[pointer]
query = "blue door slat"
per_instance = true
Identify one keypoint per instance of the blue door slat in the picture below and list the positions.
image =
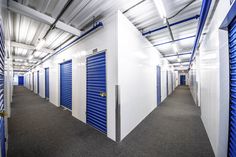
(232, 105)
(20, 80)
(158, 85)
(66, 84)
(96, 114)
(182, 80)
(47, 82)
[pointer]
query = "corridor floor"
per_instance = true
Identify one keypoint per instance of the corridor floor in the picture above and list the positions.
(40, 129)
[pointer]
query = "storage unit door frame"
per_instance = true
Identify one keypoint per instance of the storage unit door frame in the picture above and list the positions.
(38, 82)
(46, 82)
(2, 109)
(158, 85)
(167, 80)
(66, 84)
(33, 81)
(96, 108)
(232, 80)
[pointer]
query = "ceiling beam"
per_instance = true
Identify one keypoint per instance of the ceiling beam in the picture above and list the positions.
(25, 58)
(184, 61)
(175, 55)
(30, 47)
(34, 14)
(26, 64)
(20, 70)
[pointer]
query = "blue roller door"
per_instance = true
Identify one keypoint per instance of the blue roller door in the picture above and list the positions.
(47, 82)
(182, 79)
(158, 85)
(96, 92)
(20, 80)
(232, 105)
(66, 84)
(2, 126)
(38, 82)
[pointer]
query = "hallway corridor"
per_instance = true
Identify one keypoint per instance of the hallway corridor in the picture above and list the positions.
(39, 129)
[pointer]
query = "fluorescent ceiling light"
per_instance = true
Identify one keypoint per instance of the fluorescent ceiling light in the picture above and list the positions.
(160, 7)
(178, 59)
(40, 44)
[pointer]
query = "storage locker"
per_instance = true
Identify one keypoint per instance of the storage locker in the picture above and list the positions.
(46, 82)
(96, 92)
(66, 84)
(232, 105)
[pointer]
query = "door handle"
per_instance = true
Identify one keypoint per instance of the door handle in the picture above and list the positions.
(3, 114)
(103, 94)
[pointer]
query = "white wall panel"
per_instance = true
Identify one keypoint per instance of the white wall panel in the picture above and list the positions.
(103, 39)
(213, 81)
(137, 61)
(42, 82)
(169, 82)
(163, 84)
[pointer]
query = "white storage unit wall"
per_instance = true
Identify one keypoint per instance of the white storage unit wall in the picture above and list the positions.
(128, 65)
(212, 77)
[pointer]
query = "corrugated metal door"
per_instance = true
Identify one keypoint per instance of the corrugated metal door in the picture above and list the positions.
(158, 85)
(232, 105)
(2, 126)
(66, 84)
(96, 92)
(182, 79)
(20, 80)
(38, 82)
(47, 82)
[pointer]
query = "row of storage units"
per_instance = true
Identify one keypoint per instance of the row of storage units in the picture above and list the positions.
(95, 87)
(112, 89)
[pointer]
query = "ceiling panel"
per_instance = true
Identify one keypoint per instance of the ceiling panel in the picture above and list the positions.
(144, 16)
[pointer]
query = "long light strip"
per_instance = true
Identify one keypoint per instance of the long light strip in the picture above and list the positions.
(160, 7)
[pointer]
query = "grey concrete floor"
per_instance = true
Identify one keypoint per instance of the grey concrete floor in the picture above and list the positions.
(39, 129)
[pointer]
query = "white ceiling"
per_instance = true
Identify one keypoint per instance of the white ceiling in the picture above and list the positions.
(145, 16)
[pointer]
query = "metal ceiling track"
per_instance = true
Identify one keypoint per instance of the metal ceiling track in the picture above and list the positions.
(176, 40)
(206, 4)
(172, 24)
(168, 42)
(53, 25)
(179, 54)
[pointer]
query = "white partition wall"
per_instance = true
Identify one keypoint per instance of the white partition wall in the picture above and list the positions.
(131, 63)
(212, 78)
(137, 61)
(103, 39)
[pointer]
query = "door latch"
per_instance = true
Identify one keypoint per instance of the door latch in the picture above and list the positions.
(103, 94)
(3, 114)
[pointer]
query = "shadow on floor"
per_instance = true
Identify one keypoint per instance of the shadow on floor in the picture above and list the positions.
(39, 129)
